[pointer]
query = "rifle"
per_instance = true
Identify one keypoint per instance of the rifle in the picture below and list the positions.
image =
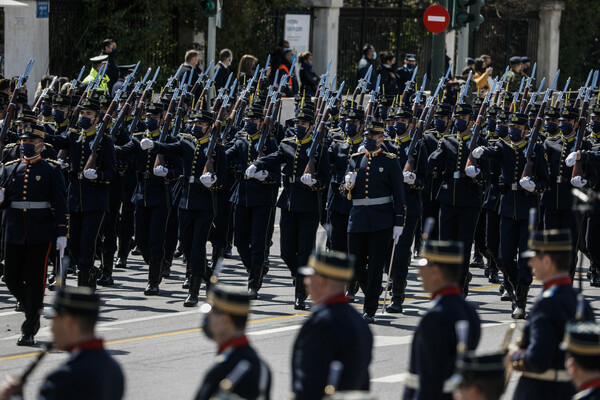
(200, 78)
(408, 87)
(319, 133)
(36, 107)
(516, 96)
(577, 168)
(364, 88)
(528, 169)
(534, 97)
(91, 86)
(322, 84)
(209, 165)
(164, 129)
(10, 111)
(239, 105)
(587, 82)
(140, 105)
(418, 100)
(267, 125)
(372, 104)
(477, 128)
(561, 94)
(222, 92)
(465, 89)
(527, 87)
(180, 107)
(500, 86)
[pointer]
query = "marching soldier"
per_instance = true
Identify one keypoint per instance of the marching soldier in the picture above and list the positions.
(378, 213)
(481, 377)
(520, 195)
(551, 121)
(34, 197)
(434, 345)
(90, 372)
(88, 188)
(254, 198)
(300, 200)
(538, 356)
(582, 358)
(334, 331)
(61, 104)
(238, 369)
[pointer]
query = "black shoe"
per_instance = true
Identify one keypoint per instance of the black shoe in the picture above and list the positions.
(253, 294)
(19, 307)
(178, 253)
(105, 280)
(595, 279)
(25, 340)
(486, 271)
(394, 308)
(166, 273)
(186, 284)
(121, 262)
(368, 318)
(152, 289)
(191, 300)
(494, 278)
(228, 252)
(51, 279)
(299, 304)
(136, 252)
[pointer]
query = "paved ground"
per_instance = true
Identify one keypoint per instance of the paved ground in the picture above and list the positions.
(165, 355)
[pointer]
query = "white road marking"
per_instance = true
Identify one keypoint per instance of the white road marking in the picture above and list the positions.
(390, 378)
(274, 330)
(383, 341)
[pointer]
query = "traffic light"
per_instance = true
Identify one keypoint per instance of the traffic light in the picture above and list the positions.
(475, 10)
(460, 15)
(209, 7)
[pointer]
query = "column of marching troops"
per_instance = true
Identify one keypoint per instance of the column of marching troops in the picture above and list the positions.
(84, 173)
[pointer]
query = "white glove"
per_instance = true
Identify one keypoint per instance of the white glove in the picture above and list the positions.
(146, 144)
(161, 171)
(361, 149)
(90, 174)
(472, 171)
(477, 152)
(250, 171)
(61, 243)
(308, 180)
(63, 163)
(571, 159)
(2, 195)
(578, 182)
(396, 233)
(409, 177)
(261, 175)
(208, 179)
(350, 180)
(527, 184)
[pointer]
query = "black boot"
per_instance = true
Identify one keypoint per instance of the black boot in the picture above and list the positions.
(493, 277)
(208, 277)
(153, 278)
(107, 269)
(166, 269)
(123, 252)
(300, 293)
(192, 298)
(87, 278)
(398, 290)
(595, 278)
(352, 290)
(477, 261)
(520, 302)
(464, 283)
(508, 293)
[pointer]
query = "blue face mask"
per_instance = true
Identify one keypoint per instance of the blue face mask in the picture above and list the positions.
(151, 124)
(400, 128)
(502, 130)
(374, 55)
(197, 131)
(84, 123)
(370, 144)
(515, 134)
(342, 125)
(440, 125)
(460, 125)
(551, 128)
(250, 127)
(299, 131)
(59, 116)
(595, 126)
(390, 131)
(351, 130)
(27, 149)
(383, 113)
(491, 125)
(46, 110)
(565, 128)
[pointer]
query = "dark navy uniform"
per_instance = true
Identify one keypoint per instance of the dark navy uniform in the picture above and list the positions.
(583, 352)
(35, 215)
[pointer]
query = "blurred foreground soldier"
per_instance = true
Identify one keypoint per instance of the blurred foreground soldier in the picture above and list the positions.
(538, 356)
(481, 377)
(582, 358)
(34, 196)
(238, 370)
(334, 332)
(433, 350)
(90, 372)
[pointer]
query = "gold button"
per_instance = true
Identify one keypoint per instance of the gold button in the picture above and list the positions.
(24, 186)
(24, 198)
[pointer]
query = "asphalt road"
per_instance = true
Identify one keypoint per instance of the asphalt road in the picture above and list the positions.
(164, 354)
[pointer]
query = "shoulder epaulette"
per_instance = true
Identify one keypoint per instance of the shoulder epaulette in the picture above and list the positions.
(10, 145)
(48, 145)
(187, 136)
(138, 133)
(336, 140)
(356, 154)
(53, 161)
(288, 139)
(13, 161)
(73, 130)
(390, 155)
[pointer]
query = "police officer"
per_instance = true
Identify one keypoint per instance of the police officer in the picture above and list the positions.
(88, 188)
(434, 345)
(90, 372)
(582, 358)
(460, 193)
(538, 356)
(34, 196)
(333, 332)
(480, 377)
(254, 198)
(300, 200)
(226, 313)
(414, 182)
(520, 195)
(405, 73)
(378, 212)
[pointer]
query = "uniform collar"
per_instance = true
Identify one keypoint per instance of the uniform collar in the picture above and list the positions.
(374, 153)
(441, 135)
(569, 139)
(595, 136)
(153, 135)
(88, 133)
(238, 341)
(89, 344)
(520, 145)
(254, 137)
(560, 280)
(591, 384)
(62, 124)
(402, 139)
(203, 140)
(304, 141)
(463, 138)
(355, 141)
(32, 160)
(446, 291)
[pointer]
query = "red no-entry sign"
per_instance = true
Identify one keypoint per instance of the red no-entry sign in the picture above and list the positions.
(436, 18)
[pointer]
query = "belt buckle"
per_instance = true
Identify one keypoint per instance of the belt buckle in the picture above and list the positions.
(26, 205)
(293, 179)
(456, 175)
(191, 179)
(559, 179)
(80, 175)
(514, 186)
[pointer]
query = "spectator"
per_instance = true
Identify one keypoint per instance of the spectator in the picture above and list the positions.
(225, 60)
(291, 88)
(482, 77)
(190, 65)
(308, 79)
(526, 61)
(406, 72)
(389, 83)
(464, 74)
(277, 55)
(487, 60)
(368, 59)
(109, 48)
(246, 69)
